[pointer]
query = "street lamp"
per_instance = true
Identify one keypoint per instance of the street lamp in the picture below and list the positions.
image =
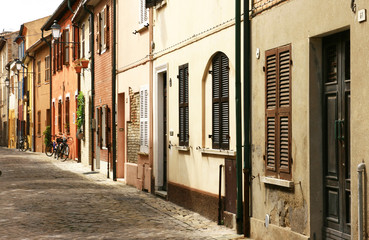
(18, 64)
(55, 29)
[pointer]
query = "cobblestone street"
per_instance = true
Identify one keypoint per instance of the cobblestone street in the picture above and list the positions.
(43, 198)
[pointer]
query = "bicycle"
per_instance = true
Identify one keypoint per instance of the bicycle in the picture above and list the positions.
(52, 147)
(63, 149)
(23, 144)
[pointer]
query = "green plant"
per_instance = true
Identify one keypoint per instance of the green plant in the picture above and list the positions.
(80, 110)
(47, 135)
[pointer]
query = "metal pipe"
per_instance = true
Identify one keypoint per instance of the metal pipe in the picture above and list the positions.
(247, 116)
(220, 212)
(114, 77)
(70, 6)
(239, 215)
(360, 170)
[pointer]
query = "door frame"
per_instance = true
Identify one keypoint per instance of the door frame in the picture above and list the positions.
(158, 115)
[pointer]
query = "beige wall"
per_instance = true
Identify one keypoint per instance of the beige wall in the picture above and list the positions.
(179, 41)
(303, 24)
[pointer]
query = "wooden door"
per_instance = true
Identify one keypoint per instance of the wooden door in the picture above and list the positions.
(337, 194)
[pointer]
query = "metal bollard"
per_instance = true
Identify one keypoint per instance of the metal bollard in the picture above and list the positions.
(360, 170)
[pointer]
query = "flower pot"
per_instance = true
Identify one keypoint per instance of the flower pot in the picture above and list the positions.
(78, 69)
(84, 63)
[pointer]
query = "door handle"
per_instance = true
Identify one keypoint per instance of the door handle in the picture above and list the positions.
(342, 126)
(337, 129)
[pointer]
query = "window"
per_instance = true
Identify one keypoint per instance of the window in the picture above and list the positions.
(65, 46)
(144, 12)
(39, 72)
(220, 95)
(183, 106)
(47, 68)
(278, 112)
(144, 119)
(103, 29)
(67, 126)
(39, 122)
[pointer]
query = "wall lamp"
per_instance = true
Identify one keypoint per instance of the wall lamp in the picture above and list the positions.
(56, 32)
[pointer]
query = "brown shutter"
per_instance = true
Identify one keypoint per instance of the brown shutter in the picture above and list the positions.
(98, 35)
(278, 112)
(106, 26)
(271, 108)
(284, 108)
(220, 80)
(183, 106)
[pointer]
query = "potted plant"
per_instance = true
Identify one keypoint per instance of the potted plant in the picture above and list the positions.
(77, 66)
(84, 62)
(80, 115)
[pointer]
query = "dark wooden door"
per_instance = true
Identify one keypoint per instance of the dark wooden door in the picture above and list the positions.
(165, 147)
(337, 194)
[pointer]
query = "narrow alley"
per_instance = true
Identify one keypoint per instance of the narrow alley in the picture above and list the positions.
(43, 198)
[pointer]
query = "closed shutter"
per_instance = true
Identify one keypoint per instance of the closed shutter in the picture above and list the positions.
(278, 112)
(220, 81)
(106, 27)
(98, 35)
(183, 106)
(144, 119)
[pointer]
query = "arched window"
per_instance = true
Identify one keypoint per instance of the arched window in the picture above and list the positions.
(220, 82)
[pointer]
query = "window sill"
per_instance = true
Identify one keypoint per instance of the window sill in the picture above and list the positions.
(142, 28)
(183, 148)
(219, 152)
(277, 182)
(143, 153)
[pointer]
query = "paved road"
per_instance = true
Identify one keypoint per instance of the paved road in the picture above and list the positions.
(42, 198)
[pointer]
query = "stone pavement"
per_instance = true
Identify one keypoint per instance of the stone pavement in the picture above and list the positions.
(43, 198)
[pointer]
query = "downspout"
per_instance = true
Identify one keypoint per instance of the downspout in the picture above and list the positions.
(34, 103)
(70, 6)
(247, 115)
(360, 170)
(114, 76)
(239, 214)
(51, 82)
(92, 25)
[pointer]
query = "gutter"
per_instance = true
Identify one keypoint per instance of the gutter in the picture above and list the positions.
(247, 116)
(114, 77)
(239, 214)
(92, 82)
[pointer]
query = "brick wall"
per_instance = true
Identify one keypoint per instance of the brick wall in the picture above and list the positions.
(103, 75)
(133, 127)
(261, 5)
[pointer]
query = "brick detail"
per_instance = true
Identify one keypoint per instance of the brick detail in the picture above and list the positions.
(133, 127)
(261, 5)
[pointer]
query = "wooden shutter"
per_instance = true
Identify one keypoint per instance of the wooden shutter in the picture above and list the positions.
(144, 119)
(183, 106)
(220, 80)
(98, 35)
(67, 125)
(106, 27)
(278, 112)
(65, 47)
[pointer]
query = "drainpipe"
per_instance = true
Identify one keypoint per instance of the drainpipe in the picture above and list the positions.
(70, 6)
(114, 76)
(92, 80)
(360, 170)
(247, 115)
(51, 82)
(239, 216)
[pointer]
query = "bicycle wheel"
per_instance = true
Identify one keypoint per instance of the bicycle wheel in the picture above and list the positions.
(49, 150)
(65, 152)
(57, 151)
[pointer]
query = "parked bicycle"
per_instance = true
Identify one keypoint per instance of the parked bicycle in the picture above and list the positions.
(59, 148)
(23, 144)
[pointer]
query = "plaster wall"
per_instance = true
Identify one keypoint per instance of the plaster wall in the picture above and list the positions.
(179, 41)
(304, 24)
